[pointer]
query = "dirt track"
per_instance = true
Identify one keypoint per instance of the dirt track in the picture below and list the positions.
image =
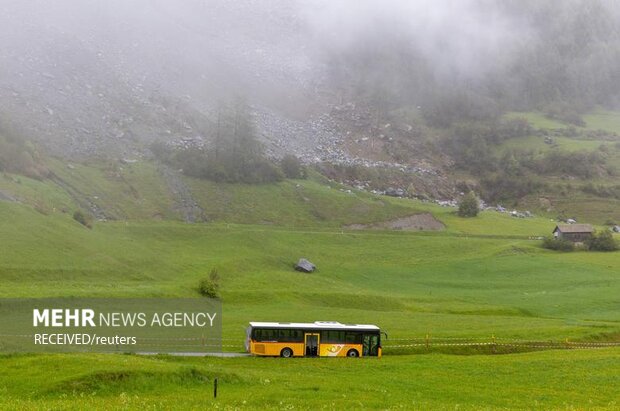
(417, 222)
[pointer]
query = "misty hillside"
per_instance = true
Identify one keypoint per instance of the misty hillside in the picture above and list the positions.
(377, 95)
(94, 77)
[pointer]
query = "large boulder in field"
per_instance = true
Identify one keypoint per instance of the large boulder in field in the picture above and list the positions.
(305, 266)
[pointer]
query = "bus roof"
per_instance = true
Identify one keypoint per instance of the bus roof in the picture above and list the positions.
(317, 325)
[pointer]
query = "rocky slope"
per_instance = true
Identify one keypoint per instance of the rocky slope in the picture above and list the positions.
(86, 81)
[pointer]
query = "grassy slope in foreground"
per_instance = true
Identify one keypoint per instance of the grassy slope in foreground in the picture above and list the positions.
(546, 380)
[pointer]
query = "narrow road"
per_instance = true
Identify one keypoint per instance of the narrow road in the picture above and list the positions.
(200, 354)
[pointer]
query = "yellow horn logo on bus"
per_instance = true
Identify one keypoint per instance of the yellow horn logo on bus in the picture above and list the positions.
(334, 349)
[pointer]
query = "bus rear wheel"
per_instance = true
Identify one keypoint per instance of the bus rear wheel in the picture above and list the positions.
(353, 353)
(286, 353)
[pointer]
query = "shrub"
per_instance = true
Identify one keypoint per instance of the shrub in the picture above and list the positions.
(565, 113)
(558, 244)
(449, 108)
(161, 151)
(83, 218)
(601, 190)
(503, 187)
(20, 157)
(584, 164)
(468, 207)
(261, 171)
(228, 167)
(210, 287)
(603, 241)
(291, 167)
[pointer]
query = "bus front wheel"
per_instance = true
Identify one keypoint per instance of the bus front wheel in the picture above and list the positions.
(286, 353)
(353, 353)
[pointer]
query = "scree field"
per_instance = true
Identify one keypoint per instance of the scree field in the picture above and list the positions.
(484, 279)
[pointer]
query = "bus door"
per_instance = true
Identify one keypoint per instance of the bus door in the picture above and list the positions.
(370, 345)
(312, 344)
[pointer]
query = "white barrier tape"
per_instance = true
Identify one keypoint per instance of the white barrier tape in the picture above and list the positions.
(539, 344)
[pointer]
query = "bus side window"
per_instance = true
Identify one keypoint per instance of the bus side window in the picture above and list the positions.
(334, 337)
(353, 338)
(285, 335)
(265, 335)
(297, 336)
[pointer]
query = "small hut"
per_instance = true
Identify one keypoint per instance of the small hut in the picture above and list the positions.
(577, 233)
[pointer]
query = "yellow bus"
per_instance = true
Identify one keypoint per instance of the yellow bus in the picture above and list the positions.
(317, 339)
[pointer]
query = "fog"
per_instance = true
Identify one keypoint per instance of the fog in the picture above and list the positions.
(222, 46)
(453, 36)
(99, 63)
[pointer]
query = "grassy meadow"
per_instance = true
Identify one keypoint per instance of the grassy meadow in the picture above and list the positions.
(545, 380)
(598, 119)
(478, 278)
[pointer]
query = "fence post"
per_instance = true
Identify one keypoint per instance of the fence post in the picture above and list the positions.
(427, 342)
(493, 343)
(215, 388)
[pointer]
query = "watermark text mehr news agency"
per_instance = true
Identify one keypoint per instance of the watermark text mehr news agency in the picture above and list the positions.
(85, 317)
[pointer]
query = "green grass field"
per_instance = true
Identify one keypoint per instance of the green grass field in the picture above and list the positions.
(598, 119)
(544, 380)
(478, 278)
(603, 120)
(538, 146)
(302, 203)
(537, 119)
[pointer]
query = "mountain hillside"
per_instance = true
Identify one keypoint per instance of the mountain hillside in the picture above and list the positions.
(504, 102)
